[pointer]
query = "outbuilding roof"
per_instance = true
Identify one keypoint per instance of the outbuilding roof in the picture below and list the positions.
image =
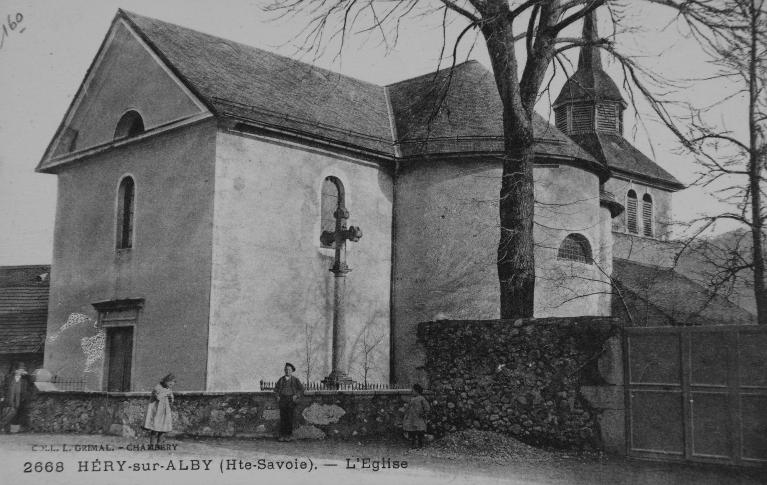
(658, 296)
(23, 308)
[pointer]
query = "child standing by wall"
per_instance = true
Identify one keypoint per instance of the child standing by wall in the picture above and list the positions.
(416, 414)
(158, 414)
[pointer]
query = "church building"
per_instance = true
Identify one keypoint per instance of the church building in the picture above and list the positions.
(204, 191)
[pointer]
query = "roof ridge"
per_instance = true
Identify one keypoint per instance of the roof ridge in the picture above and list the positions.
(19, 266)
(130, 14)
(437, 72)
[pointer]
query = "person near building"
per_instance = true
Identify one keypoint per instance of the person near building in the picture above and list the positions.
(15, 398)
(416, 415)
(288, 390)
(159, 419)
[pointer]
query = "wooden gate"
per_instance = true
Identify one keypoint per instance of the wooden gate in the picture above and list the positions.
(697, 393)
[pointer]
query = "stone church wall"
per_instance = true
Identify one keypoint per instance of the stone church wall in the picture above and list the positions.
(646, 250)
(446, 246)
(173, 215)
(271, 288)
(661, 200)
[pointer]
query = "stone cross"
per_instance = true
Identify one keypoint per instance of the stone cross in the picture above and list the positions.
(338, 375)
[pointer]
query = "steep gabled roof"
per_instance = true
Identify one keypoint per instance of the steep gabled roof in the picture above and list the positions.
(622, 157)
(241, 81)
(259, 86)
(280, 94)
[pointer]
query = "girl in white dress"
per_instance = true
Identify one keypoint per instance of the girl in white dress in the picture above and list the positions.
(158, 414)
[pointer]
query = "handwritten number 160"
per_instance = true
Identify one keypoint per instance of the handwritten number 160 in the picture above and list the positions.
(12, 23)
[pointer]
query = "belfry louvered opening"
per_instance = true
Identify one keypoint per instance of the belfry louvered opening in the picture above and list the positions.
(582, 118)
(647, 214)
(631, 212)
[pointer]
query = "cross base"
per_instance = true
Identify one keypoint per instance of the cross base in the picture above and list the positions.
(337, 379)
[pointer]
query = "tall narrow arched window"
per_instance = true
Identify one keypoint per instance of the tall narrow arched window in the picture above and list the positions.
(631, 212)
(131, 124)
(647, 215)
(126, 203)
(332, 199)
(575, 247)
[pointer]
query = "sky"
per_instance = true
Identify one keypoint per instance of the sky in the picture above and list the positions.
(44, 57)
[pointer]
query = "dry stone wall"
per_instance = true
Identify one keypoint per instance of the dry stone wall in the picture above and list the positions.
(357, 415)
(534, 379)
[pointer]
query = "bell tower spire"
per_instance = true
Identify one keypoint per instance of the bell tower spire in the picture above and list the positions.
(589, 102)
(590, 57)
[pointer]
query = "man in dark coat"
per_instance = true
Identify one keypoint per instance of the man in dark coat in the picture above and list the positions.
(288, 390)
(15, 397)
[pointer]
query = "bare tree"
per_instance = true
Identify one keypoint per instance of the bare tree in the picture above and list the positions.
(311, 344)
(732, 163)
(371, 343)
(524, 39)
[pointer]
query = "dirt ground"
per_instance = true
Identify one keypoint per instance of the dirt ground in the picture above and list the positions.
(35, 458)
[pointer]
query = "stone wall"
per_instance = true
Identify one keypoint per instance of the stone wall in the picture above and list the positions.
(446, 232)
(332, 414)
(549, 382)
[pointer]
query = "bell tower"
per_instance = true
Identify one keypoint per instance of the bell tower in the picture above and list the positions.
(589, 102)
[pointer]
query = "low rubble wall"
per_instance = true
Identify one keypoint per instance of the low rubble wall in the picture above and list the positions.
(342, 415)
(548, 382)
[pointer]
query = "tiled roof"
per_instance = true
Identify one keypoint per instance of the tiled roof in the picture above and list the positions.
(244, 82)
(23, 308)
(589, 85)
(22, 332)
(27, 275)
(458, 110)
(621, 156)
(589, 82)
(659, 296)
(270, 92)
(15, 299)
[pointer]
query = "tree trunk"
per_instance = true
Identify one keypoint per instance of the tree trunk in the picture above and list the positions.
(516, 258)
(755, 170)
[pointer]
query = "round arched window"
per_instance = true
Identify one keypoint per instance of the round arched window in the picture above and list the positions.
(332, 199)
(131, 124)
(575, 247)
(126, 204)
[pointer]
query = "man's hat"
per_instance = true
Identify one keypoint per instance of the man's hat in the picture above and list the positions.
(292, 367)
